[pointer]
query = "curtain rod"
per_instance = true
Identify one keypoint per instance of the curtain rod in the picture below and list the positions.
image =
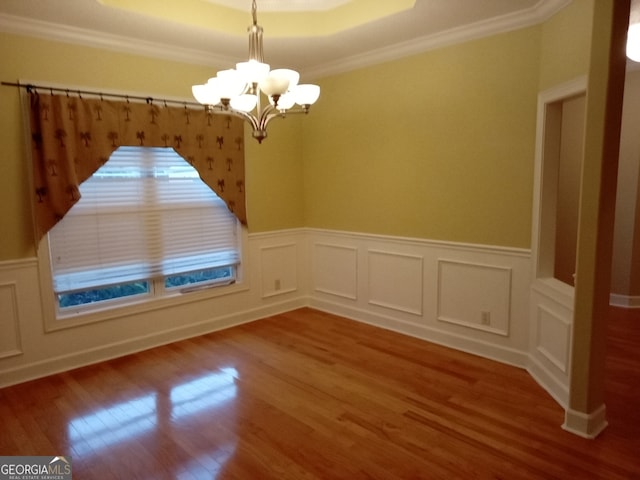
(29, 87)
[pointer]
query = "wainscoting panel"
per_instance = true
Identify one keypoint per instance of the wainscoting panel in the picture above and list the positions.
(553, 339)
(470, 297)
(279, 269)
(335, 270)
(551, 317)
(10, 323)
(475, 296)
(395, 281)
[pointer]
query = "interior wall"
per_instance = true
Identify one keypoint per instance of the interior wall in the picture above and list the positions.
(625, 283)
(437, 146)
(566, 44)
(570, 165)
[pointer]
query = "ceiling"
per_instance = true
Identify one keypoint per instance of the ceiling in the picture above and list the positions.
(316, 37)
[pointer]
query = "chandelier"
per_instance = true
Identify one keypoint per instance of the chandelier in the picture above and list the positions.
(240, 91)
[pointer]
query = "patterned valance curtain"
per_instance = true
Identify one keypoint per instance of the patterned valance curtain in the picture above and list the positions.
(72, 137)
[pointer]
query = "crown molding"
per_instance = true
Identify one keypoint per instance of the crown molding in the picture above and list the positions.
(539, 13)
(80, 36)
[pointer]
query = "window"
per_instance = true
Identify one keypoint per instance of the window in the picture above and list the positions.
(146, 226)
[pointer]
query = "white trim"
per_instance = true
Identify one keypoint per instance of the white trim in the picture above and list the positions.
(550, 372)
(442, 262)
(9, 265)
(624, 301)
(277, 289)
(11, 320)
(541, 12)
(510, 348)
(350, 295)
(80, 36)
(276, 233)
(586, 425)
(423, 242)
(565, 90)
(418, 259)
(561, 364)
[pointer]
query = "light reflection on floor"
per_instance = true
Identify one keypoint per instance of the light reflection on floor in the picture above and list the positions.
(96, 432)
(204, 393)
(108, 426)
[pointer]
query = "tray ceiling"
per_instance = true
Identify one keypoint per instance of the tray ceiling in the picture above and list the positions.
(327, 37)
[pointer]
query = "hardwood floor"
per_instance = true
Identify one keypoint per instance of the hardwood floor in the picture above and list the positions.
(308, 395)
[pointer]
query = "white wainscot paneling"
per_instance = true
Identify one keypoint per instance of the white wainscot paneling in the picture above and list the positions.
(335, 270)
(279, 269)
(474, 295)
(553, 337)
(9, 321)
(396, 281)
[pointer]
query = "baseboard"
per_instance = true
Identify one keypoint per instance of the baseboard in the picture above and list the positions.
(103, 353)
(586, 425)
(624, 301)
(475, 347)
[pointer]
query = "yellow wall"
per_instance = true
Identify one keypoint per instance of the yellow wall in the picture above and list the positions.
(273, 181)
(274, 177)
(566, 44)
(437, 146)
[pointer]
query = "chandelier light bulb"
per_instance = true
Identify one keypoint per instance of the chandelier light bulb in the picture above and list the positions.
(292, 75)
(230, 83)
(205, 94)
(253, 71)
(244, 103)
(273, 85)
(633, 42)
(306, 95)
(285, 102)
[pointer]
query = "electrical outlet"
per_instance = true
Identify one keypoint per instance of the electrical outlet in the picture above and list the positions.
(485, 318)
(276, 284)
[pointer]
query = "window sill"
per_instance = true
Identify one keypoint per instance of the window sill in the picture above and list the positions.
(145, 305)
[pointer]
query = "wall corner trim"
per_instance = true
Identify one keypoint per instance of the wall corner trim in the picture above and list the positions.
(586, 425)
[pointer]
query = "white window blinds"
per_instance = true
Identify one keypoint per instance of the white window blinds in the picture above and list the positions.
(145, 214)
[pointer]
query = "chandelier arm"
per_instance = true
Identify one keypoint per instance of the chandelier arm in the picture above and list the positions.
(297, 111)
(271, 112)
(236, 113)
(266, 115)
(246, 116)
(267, 119)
